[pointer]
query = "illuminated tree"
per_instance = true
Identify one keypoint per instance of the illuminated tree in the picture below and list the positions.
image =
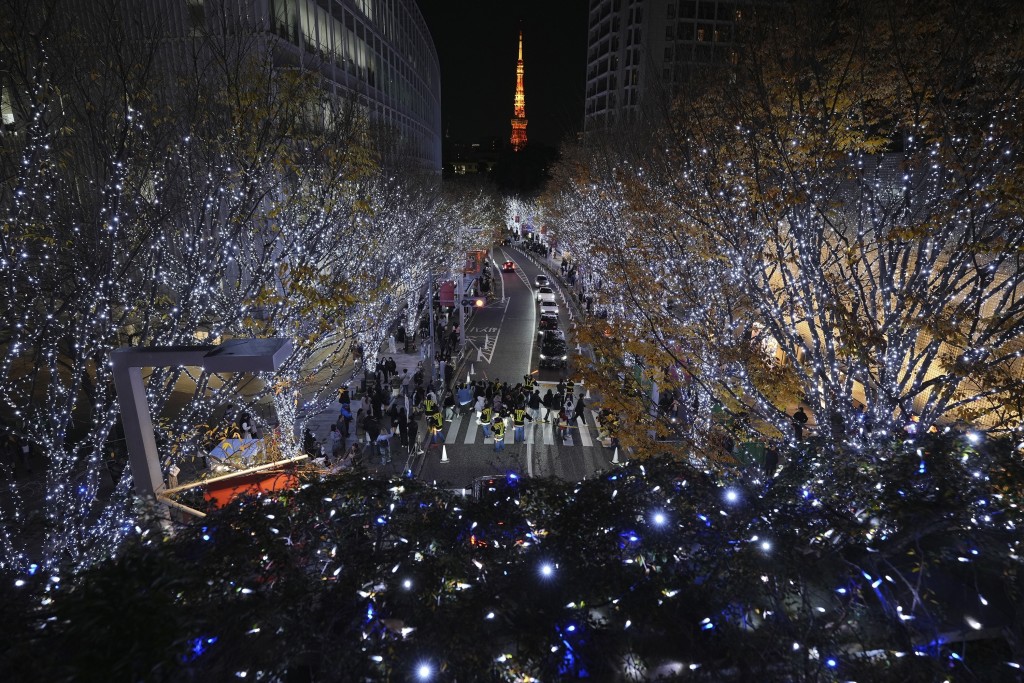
(838, 213)
(161, 198)
(656, 570)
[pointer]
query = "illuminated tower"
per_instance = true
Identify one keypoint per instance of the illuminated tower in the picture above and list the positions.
(518, 138)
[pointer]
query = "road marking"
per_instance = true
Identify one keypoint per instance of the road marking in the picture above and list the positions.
(529, 432)
(549, 436)
(584, 433)
(529, 459)
(454, 429)
(471, 432)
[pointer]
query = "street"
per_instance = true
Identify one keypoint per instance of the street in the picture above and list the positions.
(502, 345)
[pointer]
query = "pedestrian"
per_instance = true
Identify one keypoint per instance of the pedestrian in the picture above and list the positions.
(563, 424)
(372, 429)
(486, 417)
(437, 427)
(479, 406)
(449, 406)
(519, 425)
(309, 444)
(534, 404)
(336, 441)
(245, 425)
(344, 419)
(799, 420)
(413, 427)
(353, 457)
(406, 381)
(499, 434)
(549, 403)
(580, 408)
(384, 445)
(465, 396)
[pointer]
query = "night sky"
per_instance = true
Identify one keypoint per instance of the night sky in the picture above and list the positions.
(476, 45)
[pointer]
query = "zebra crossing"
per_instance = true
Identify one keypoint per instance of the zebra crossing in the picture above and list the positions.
(580, 434)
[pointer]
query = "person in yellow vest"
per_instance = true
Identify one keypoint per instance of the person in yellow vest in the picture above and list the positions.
(429, 405)
(486, 415)
(519, 417)
(570, 386)
(436, 421)
(529, 382)
(499, 434)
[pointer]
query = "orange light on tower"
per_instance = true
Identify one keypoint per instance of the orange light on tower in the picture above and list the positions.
(518, 138)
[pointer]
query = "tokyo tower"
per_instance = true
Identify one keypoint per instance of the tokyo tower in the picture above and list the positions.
(518, 138)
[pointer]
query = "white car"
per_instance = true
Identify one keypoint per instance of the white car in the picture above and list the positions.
(548, 306)
(545, 294)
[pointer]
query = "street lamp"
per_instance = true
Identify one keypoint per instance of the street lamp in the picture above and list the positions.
(235, 355)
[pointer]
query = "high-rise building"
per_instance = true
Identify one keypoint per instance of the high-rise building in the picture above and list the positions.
(640, 53)
(518, 138)
(378, 53)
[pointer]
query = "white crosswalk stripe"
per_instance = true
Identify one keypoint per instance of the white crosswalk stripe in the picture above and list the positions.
(471, 429)
(531, 427)
(453, 429)
(584, 433)
(549, 434)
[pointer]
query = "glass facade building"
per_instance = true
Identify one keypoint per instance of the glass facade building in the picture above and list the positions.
(379, 53)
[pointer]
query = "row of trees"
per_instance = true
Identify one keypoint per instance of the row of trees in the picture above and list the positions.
(834, 220)
(161, 190)
(656, 571)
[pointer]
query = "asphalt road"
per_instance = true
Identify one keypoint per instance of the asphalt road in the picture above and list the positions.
(502, 341)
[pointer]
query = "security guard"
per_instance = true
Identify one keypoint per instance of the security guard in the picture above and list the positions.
(436, 425)
(429, 405)
(529, 383)
(486, 415)
(518, 417)
(499, 434)
(569, 386)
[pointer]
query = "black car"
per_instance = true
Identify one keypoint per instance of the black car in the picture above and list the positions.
(548, 321)
(553, 352)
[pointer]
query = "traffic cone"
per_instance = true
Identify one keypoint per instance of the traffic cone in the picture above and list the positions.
(587, 396)
(468, 380)
(615, 456)
(444, 453)
(472, 369)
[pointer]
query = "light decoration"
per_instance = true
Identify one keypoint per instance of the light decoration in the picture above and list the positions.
(164, 229)
(877, 253)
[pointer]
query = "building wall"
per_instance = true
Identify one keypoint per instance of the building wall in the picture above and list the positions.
(640, 53)
(378, 52)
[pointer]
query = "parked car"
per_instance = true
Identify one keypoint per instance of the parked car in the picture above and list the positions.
(541, 281)
(554, 353)
(545, 294)
(548, 321)
(508, 267)
(548, 307)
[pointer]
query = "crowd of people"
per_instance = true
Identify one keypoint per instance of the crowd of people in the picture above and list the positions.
(386, 418)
